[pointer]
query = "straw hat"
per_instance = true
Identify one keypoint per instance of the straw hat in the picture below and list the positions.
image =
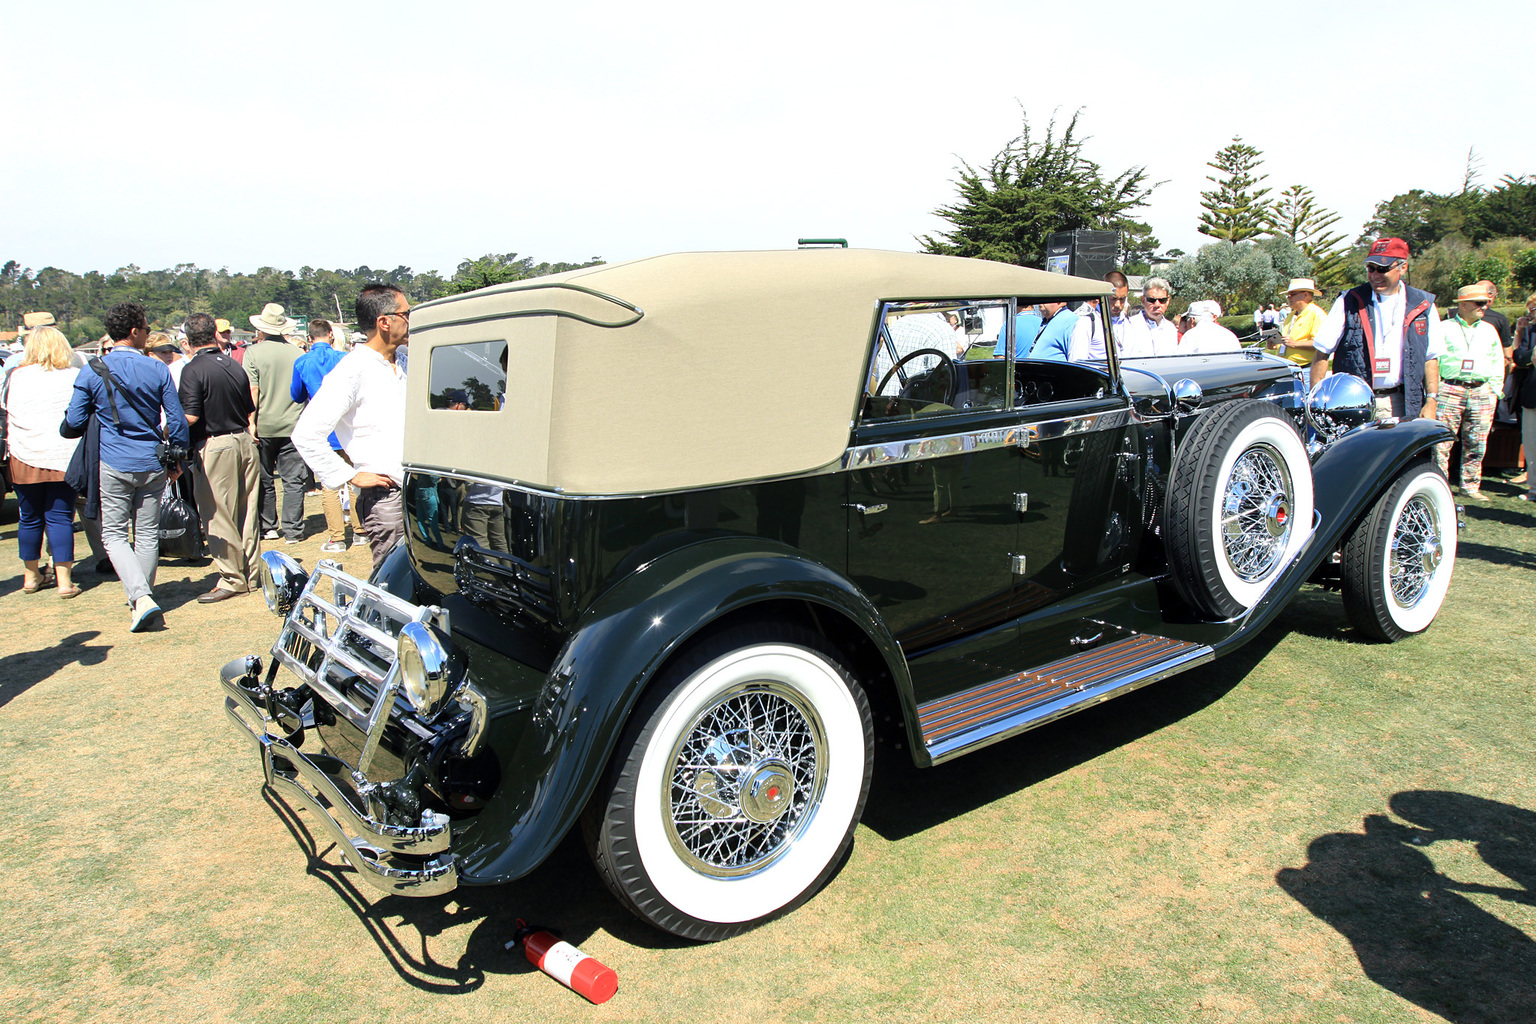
(1472, 293)
(1303, 284)
(272, 322)
(40, 319)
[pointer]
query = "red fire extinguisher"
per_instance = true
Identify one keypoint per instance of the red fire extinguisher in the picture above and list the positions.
(565, 963)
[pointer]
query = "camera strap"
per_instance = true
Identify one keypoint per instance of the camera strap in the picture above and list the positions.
(99, 365)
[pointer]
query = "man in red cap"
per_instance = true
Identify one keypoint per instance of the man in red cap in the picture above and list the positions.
(1387, 334)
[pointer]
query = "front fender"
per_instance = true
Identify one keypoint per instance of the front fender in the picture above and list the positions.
(616, 649)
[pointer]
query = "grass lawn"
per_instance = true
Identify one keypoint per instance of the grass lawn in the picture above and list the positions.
(1314, 829)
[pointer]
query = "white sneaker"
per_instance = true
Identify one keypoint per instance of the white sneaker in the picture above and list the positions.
(269, 535)
(145, 614)
(333, 546)
(359, 541)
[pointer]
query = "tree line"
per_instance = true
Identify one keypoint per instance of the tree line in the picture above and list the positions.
(1040, 183)
(79, 301)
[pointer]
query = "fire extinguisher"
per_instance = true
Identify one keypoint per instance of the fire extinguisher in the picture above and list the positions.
(565, 963)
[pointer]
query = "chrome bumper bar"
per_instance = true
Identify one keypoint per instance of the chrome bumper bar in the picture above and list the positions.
(363, 840)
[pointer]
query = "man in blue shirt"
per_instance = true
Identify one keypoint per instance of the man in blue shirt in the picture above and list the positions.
(308, 371)
(1055, 338)
(131, 394)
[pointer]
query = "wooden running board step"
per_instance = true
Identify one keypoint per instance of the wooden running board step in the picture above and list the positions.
(1002, 699)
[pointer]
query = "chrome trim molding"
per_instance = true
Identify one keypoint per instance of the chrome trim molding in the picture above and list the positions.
(1024, 435)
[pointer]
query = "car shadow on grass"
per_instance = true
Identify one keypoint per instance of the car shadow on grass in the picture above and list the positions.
(20, 672)
(1413, 928)
(905, 800)
(563, 896)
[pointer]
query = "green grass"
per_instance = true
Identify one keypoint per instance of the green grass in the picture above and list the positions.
(1313, 829)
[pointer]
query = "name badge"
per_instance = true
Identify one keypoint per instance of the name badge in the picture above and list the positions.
(1383, 365)
(1466, 366)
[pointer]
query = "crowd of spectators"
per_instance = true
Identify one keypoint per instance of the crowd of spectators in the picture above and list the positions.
(198, 416)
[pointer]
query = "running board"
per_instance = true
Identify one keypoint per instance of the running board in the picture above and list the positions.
(1006, 707)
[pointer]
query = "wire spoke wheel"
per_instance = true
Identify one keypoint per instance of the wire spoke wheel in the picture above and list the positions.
(735, 789)
(1416, 551)
(745, 776)
(1396, 566)
(1239, 506)
(1256, 513)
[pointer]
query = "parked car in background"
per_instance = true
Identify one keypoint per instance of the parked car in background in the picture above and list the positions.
(676, 526)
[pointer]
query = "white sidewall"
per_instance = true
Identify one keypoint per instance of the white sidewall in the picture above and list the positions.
(1433, 487)
(1280, 436)
(731, 900)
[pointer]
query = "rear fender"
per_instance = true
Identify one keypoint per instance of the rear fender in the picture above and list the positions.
(616, 650)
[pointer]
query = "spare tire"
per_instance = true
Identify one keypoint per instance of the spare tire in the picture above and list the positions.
(1239, 506)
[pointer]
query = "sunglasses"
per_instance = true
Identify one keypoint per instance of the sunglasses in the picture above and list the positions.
(1380, 268)
(1149, 301)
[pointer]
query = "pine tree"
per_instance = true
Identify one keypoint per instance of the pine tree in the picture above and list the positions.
(1298, 216)
(1031, 188)
(1236, 208)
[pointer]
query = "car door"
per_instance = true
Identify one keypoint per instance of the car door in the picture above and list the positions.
(933, 476)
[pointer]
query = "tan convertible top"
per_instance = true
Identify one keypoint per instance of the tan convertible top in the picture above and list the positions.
(744, 365)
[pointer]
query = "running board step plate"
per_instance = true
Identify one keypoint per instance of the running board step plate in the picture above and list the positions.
(1006, 707)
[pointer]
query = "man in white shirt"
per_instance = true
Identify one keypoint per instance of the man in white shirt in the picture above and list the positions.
(363, 401)
(1386, 333)
(1149, 332)
(1088, 334)
(1207, 336)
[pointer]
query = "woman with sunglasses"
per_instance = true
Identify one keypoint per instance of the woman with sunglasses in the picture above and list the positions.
(1471, 378)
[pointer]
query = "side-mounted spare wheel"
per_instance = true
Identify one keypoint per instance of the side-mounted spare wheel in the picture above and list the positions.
(737, 784)
(1239, 506)
(1396, 565)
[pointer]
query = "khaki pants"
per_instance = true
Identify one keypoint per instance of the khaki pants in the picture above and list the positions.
(330, 503)
(228, 488)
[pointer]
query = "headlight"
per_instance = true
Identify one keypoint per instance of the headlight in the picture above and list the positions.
(1339, 404)
(423, 668)
(282, 581)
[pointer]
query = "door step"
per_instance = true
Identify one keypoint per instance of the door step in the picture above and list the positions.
(1006, 707)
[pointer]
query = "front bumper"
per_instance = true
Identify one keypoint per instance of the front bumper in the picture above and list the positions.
(367, 843)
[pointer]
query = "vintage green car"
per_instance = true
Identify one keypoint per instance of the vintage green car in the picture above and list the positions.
(676, 525)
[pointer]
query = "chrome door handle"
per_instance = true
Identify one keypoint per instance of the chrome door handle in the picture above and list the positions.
(867, 510)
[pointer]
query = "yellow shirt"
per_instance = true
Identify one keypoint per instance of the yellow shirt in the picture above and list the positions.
(1299, 331)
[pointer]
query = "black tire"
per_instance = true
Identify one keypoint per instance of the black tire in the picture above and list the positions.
(704, 827)
(1397, 564)
(1239, 506)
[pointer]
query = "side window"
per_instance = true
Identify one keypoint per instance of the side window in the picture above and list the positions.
(937, 359)
(469, 376)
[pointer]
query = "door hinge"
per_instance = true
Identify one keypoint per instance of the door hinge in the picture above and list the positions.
(1018, 564)
(1021, 502)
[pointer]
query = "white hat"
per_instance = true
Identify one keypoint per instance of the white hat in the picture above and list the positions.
(1205, 308)
(272, 321)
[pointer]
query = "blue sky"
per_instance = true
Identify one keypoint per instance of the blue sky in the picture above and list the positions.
(339, 134)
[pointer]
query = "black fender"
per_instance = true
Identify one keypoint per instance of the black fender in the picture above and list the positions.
(615, 650)
(1348, 476)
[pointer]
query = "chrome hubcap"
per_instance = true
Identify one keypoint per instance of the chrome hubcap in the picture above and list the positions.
(745, 780)
(1256, 513)
(1415, 552)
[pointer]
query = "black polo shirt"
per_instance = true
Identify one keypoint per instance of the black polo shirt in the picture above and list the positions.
(216, 390)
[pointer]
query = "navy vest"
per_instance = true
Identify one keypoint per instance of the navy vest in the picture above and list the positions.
(1357, 344)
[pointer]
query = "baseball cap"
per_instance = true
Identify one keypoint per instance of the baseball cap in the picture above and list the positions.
(220, 326)
(1388, 249)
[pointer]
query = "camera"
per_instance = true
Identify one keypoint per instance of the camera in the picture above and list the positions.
(170, 455)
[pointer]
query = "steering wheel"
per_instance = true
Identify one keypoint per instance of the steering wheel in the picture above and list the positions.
(952, 391)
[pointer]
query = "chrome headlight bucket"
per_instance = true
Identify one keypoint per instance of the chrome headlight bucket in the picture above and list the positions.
(1339, 404)
(424, 674)
(282, 581)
